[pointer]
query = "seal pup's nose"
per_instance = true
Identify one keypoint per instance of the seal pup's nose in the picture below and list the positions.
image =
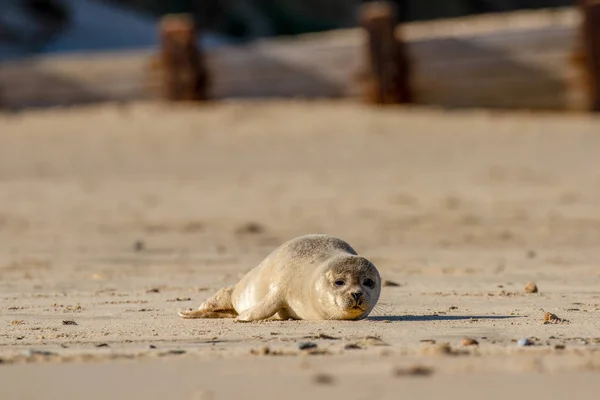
(356, 295)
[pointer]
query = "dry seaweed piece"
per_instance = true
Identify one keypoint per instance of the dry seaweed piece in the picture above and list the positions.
(251, 228)
(324, 379)
(550, 318)
(307, 345)
(417, 370)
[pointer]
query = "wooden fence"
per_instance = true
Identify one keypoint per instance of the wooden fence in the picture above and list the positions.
(538, 60)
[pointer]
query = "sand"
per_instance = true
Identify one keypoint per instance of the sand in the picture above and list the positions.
(114, 217)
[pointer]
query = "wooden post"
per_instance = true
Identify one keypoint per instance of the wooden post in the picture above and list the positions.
(591, 45)
(184, 73)
(388, 74)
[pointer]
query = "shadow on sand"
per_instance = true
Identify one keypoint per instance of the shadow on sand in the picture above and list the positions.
(420, 318)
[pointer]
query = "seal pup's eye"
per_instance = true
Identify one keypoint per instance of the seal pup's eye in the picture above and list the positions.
(339, 283)
(369, 283)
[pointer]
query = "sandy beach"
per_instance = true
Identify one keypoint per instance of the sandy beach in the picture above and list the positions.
(114, 217)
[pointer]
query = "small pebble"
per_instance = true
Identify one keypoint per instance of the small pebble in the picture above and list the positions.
(306, 345)
(263, 351)
(559, 347)
(524, 342)
(69, 323)
(251, 228)
(323, 379)
(437, 349)
(413, 371)
(176, 352)
(139, 245)
(171, 353)
(531, 288)
(469, 342)
(102, 345)
(390, 283)
(352, 346)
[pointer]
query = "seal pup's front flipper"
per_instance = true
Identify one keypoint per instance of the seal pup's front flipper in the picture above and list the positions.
(266, 308)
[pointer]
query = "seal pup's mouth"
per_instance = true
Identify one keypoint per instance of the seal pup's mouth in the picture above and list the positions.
(352, 306)
(357, 307)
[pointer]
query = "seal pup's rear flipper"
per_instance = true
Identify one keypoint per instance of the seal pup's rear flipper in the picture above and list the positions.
(218, 306)
(190, 314)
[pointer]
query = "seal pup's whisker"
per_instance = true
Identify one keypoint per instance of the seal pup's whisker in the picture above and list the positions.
(381, 310)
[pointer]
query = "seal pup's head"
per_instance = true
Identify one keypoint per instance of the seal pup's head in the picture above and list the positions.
(349, 287)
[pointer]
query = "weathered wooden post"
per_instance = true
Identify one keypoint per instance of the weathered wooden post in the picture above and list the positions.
(388, 71)
(591, 50)
(184, 72)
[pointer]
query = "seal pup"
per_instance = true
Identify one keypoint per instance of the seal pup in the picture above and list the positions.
(312, 277)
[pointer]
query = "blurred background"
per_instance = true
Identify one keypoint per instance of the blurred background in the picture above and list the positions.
(43, 26)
